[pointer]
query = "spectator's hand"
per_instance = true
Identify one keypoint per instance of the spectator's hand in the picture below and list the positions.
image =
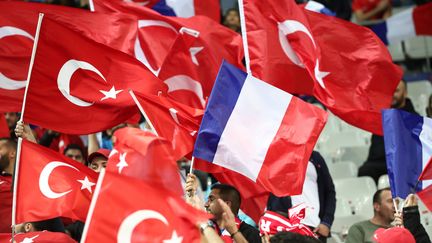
(410, 201)
(398, 221)
(383, 4)
(191, 185)
(322, 230)
(228, 217)
(24, 131)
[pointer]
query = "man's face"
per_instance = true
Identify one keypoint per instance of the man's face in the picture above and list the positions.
(399, 95)
(232, 19)
(4, 156)
(98, 163)
(212, 206)
(386, 208)
(75, 154)
(11, 119)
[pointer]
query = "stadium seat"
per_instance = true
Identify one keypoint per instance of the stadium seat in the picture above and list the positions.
(343, 208)
(396, 51)
(418, 47)
(364, 208)
(346, 169)
(383, 182)
(356, 154)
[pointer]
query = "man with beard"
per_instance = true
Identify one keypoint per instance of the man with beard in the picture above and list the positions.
(7, 164)
(375, 165)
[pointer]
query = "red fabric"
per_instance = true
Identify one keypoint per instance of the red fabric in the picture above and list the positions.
(156, 41)
(43, 174)
(4, 129)
(426, 196)
(209, 8)
(15, 50)
(366, 6)
(176, 122)
(150, 206)
(422, 17)
(393, 235)
(144, 156)
(427, 171)
(190, 83)
(5, 204)
(353, 89)
(44, 237)
(117, 71)
(5, 237)
(284, 168)
(272, 223)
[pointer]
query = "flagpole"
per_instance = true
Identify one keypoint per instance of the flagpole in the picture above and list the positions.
(93, 204)
(91, 6)
(19, 145)
(244, 36)
(395, 206)
(143, 112)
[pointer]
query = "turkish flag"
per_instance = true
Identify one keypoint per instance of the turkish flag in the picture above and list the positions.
(189, 67)
(176, 122)
(145, 156)
(18, 22)
(5, 204)
(157, 34)
(4, 129)
(426, 196)
(347, 75)
(427, 171)
(57, 185)
(43, 237)
(143, 213)
(79, 86)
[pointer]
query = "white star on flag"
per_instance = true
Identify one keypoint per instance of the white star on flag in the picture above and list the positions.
(319, 75)
(193, 52)
(112, 93)
(122, 163)
(174, 238)
(86, 184)
(29, 240)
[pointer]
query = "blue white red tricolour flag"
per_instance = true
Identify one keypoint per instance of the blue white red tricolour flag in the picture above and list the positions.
(259, 131)
(408, 146)
(319, 8)
(189, 8)
(409, 23)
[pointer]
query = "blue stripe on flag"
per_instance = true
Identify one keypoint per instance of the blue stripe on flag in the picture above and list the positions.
(381, 31)
(403, 150)
(222, 101)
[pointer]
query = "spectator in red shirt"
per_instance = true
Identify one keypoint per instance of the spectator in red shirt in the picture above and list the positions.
(365, 10)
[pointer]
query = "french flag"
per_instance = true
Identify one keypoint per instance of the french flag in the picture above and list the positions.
(319, 8)
(259, 131)
(408, 146)
(189, 8)
(409, 23)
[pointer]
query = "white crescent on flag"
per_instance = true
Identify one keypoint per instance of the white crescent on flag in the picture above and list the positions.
(44, 176)
(184, 82)
(5, 82)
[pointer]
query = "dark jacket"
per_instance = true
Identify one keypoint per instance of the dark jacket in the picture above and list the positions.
(411, 221)
(326, 193)
(250, 233)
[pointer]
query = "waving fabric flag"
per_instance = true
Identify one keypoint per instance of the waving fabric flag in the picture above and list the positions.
(173, 121)
(258, 131)
(189, 8)
(152, 214)
(408, 145)
(415, 21)
(82, 90)
(18, 22)
(57, 185)
(146, 157)
(300, 51)
(157, 34)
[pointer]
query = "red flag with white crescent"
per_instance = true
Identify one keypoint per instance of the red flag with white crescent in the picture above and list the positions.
(56, 185)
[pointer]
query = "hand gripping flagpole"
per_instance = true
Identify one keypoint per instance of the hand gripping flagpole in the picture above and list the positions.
(18, 156)
(244, 35)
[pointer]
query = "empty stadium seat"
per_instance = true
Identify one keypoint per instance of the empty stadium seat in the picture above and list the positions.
(418, 47)
(383, 182)
(346, 169)
(396, 51)
(356, 154)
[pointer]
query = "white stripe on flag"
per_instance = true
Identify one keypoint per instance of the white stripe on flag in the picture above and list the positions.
(251, 127)
(182, 8)
(400, 26)
(426, 142)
